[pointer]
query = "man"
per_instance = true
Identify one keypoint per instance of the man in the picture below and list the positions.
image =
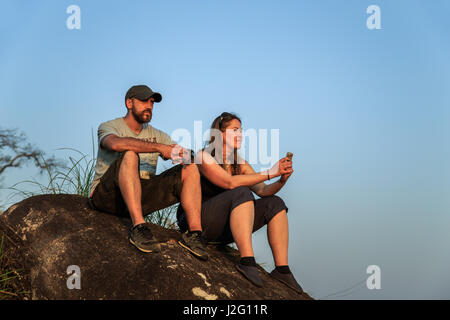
(125, 181)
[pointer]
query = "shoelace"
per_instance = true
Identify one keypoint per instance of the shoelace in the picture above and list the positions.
(197, 237)
(144, 231)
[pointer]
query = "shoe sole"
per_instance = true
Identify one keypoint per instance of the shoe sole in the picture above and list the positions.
(287, 284)
(144, 250)
(193, 252)
(245, 276)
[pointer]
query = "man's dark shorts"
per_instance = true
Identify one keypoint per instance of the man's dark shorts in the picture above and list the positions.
(158, 192)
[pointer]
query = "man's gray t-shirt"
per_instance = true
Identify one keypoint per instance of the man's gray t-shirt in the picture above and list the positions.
(118, 127)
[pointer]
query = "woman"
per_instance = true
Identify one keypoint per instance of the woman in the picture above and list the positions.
(230, 212)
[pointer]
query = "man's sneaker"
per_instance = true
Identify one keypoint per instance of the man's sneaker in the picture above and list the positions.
(251, 273)
(195, 244)
(143, 239)
(287, 279)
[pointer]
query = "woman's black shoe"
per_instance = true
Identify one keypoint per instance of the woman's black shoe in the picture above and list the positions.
(288, 279)
(251, 273)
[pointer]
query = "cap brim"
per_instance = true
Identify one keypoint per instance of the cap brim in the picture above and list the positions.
(157, 96)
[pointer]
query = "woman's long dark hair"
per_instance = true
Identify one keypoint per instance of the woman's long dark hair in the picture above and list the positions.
(220, 123)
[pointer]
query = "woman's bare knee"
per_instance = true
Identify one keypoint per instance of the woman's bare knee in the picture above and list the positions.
(280, 215)
(190, 170)
(247, 207)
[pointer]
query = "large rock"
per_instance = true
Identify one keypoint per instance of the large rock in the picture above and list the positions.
(46, 234)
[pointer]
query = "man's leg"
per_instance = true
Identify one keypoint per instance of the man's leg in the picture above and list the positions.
(131, 190)
(191, 201)
(130, 186)
(191, 196)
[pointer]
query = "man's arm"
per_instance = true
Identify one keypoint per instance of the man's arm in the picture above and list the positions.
(118, 144)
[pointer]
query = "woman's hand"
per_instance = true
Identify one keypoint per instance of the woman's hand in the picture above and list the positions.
(282, 167)
(285, 177)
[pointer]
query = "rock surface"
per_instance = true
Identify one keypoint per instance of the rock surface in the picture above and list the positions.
(47, 234)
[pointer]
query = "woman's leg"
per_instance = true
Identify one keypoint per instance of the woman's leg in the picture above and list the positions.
(241, 225)
(216, 214)
(272, 211)
(278, 236)
(242, 221)
(227, 217)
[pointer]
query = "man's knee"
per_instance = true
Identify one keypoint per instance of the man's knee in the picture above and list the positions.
(129, 158)
(130, 155)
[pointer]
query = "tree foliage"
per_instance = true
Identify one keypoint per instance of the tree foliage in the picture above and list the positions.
(15, 151)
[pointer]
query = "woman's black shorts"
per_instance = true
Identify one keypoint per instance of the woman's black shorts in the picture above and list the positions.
(216, 213)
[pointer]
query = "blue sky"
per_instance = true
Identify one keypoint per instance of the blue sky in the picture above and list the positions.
(365, 113)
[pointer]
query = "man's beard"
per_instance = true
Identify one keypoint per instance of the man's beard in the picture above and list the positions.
(140, 117)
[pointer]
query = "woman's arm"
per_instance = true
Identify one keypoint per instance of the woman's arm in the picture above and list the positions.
(262, 189)
(209, 167)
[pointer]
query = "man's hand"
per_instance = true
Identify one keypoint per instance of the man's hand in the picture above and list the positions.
(176, 153)
(169, 152)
